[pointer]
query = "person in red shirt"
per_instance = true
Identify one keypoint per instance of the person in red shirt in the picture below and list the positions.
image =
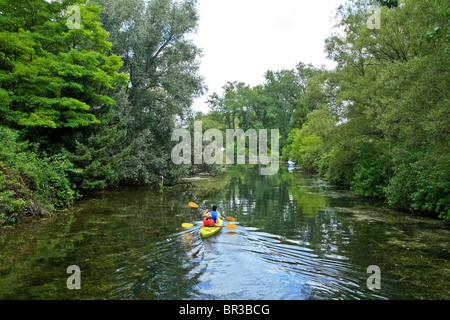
(208, 221)
(214, 214)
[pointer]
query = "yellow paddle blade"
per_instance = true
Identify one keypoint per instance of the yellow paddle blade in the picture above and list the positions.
(231, 219)
(187, 225)
(231, 226)
(193, 205)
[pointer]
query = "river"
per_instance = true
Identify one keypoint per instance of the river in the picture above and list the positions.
(297, 238)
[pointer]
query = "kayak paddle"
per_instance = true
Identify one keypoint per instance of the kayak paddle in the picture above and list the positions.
(187, 225)
(190, 225)
(194, 205)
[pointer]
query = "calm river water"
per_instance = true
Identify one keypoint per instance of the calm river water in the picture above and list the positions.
(297, 237)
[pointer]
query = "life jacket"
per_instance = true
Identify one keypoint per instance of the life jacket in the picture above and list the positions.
(208, 223)
(214, 215)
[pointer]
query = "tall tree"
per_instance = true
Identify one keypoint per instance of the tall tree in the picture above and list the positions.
(51, 77)
(56, 84)
(278, 103)
(163, 64)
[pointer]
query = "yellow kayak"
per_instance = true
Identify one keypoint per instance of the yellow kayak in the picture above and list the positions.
(210, 231)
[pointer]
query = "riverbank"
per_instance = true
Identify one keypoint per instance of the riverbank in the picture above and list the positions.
(36, 209)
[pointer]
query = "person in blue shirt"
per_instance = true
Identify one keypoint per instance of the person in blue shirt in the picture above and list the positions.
(214, 213)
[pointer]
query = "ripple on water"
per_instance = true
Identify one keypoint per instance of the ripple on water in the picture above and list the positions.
(255, 265)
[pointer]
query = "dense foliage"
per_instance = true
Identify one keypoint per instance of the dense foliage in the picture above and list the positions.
(379, 121)
(87, 107)
(276, 104)
(31, 182)
(384, 123)
(151, 37)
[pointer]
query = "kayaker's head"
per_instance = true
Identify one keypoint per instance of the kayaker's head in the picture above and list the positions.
(208, 216)
(214, 208)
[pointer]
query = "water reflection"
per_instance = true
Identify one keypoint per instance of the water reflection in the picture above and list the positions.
(297, 238)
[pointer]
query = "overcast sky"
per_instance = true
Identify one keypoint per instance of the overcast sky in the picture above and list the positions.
(242, 39)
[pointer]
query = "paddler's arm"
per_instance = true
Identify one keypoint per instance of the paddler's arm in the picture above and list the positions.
(204, 214)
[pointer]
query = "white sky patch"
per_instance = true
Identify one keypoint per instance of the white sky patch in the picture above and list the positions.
(242, 39)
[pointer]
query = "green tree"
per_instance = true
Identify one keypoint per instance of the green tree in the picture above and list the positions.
(51, 76)
(278, 103)
(99, 157)
(162, 63)
(389, 94)
(306, 146)
(56, 85)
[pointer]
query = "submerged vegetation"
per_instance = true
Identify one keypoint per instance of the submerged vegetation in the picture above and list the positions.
(320, 238)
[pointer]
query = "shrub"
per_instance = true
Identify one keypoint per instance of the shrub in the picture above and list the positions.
(337, 165)
(371, 172)
(15, 195)
(30, 183)
(420, 180)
